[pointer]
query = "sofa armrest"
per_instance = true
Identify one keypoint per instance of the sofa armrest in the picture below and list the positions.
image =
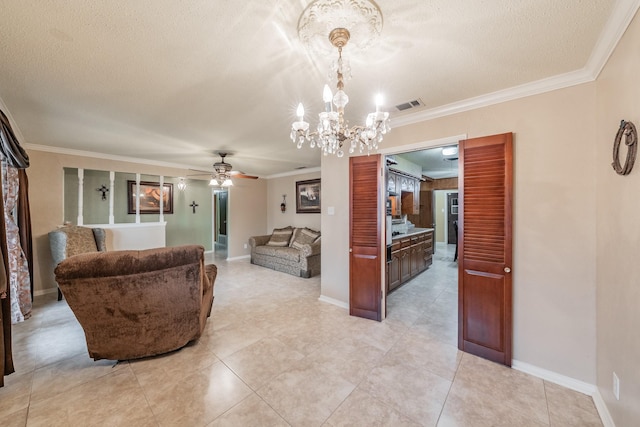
(310, 250)
(259, 240)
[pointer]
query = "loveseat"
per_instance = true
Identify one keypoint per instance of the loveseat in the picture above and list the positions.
(291, 250)
(134, 304)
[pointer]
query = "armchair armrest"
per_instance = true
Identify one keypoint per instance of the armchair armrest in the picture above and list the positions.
(259, 240)
(310, 250)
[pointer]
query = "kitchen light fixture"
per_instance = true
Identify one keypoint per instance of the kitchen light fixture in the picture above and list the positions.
(450, 151)
(337, 18)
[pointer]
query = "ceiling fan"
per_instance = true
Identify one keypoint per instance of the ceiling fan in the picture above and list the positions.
(222, 172)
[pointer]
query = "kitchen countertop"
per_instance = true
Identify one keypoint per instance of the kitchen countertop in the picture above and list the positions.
(411, 232)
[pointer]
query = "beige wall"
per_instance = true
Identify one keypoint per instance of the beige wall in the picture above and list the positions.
(335, 229)
(276, 187)
(247, 212)
(618, 235)
(554, 221)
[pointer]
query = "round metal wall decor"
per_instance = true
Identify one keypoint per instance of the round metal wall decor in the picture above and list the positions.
(631, 141)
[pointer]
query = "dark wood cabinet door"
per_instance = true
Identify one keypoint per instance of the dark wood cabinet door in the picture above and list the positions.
(394, 271)
(405, 264)
(485, 247)
(365, 225)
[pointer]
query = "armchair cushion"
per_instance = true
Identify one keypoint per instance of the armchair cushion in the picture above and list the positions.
(280, 237)
(304, 236)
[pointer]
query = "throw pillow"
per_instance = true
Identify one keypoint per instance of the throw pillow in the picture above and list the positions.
(280, 237)
(305, 236)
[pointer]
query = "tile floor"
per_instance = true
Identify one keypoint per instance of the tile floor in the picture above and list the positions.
(273, 355)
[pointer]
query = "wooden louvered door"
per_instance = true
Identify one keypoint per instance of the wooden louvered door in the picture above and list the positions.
(365, 266)
(485, 247)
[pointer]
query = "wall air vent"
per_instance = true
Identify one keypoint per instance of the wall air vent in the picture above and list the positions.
(409, 105)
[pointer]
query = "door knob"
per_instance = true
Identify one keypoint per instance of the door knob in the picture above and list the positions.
(507, 270)
(350, 250)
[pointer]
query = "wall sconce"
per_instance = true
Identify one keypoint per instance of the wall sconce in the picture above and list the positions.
(182, 184)
(283, 205)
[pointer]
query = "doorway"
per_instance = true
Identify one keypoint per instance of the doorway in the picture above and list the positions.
(220, 226)
(428, 303)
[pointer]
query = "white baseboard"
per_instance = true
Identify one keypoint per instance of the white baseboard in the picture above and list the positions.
(570, 383)
(601, 406)
(333, 301)
(45, 292)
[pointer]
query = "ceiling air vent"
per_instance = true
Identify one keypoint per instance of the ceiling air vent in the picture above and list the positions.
(409, 105)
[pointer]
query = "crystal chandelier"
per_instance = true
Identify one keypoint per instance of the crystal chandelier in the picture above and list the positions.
(333, 130)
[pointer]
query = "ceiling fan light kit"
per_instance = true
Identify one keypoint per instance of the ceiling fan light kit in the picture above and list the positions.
(338, 18)
(222, 173)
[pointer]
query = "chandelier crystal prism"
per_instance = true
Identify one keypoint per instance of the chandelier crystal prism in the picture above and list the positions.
(333, 131)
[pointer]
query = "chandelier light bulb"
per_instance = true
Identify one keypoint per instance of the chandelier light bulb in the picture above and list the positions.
(300, 112)
(379, 100)
(327, 96)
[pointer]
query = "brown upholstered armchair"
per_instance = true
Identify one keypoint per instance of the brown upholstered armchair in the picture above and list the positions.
(134, 304)
(73, 240)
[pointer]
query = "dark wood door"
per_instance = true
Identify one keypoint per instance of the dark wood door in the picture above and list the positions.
(485, 247)
(426, 209)
(365, 266)
(452, 216)
(222, 206)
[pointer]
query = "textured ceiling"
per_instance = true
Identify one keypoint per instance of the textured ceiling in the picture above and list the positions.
(175, 81)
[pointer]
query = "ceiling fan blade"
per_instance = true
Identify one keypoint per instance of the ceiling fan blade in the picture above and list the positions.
(241, 175)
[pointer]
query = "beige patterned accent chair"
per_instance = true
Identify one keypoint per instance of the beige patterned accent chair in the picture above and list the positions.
(134, 304)
(74, 240)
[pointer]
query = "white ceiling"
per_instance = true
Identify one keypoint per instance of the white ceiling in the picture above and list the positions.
(174, 81)
(433, 163)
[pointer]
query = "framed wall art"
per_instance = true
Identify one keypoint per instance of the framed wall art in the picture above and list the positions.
(308, 196)
(149, 197)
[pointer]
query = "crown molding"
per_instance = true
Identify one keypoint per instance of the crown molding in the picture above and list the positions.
(293, 173)
(540, 86)
(620, 18)
(96, 155)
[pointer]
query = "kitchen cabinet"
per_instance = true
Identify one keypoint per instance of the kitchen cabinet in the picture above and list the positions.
(408, 188)
(405, 260)
(411, 254)
(391, 182)
(394, 267)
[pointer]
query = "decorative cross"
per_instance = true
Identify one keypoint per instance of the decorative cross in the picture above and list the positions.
(104, 191)
(194, 205)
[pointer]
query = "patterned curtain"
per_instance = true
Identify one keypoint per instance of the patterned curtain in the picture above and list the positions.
(15, 277)
(19, 280)
(24, 222)
(6, 357)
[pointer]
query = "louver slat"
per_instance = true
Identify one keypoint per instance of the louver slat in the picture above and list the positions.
(484, 204)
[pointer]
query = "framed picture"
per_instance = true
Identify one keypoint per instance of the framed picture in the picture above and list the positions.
(308, 196)
(149, 197)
